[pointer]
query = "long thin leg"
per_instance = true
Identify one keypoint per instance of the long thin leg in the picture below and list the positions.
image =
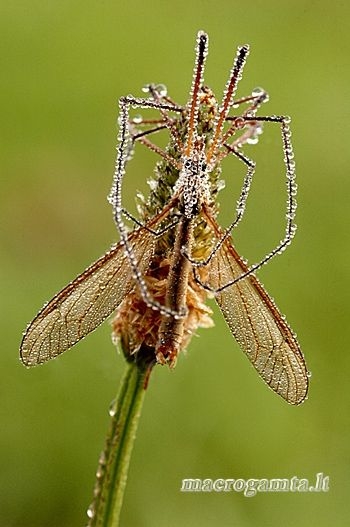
(137, 135)
(159, 95)
(240, 207)
(239, 122)
(158, 233)
(159, 151)
(257, 92)
(115, 196)
(139, 102)
(230, 89)
(140, 121)
(291, 200)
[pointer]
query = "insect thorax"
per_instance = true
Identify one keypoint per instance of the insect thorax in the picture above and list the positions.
(193, 185)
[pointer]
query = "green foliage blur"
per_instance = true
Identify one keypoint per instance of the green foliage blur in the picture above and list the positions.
(64, 65)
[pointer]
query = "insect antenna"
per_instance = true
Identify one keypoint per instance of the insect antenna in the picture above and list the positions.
(227, 101)
(197, 82)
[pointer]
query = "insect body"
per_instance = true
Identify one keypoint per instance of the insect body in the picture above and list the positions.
(158, 277)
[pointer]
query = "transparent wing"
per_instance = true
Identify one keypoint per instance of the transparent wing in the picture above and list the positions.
(259, 328)
(86, 302)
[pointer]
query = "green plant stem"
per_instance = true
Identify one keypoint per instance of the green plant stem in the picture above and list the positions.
(114, 461)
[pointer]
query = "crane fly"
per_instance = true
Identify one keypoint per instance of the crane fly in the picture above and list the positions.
(159, 275)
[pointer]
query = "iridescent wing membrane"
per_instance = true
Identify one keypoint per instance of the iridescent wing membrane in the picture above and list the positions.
(86, 302)
(258, 326)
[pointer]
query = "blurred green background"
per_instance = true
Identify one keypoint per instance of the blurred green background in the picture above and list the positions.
(64, 65)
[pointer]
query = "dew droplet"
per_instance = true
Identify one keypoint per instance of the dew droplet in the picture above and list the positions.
(91, 511)
(161, 90)
(99, 472)
(102, 459)
(112, 410)
(152, 183)
(221, 184)
(239, 122)
(258, 91)
(252, 140)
